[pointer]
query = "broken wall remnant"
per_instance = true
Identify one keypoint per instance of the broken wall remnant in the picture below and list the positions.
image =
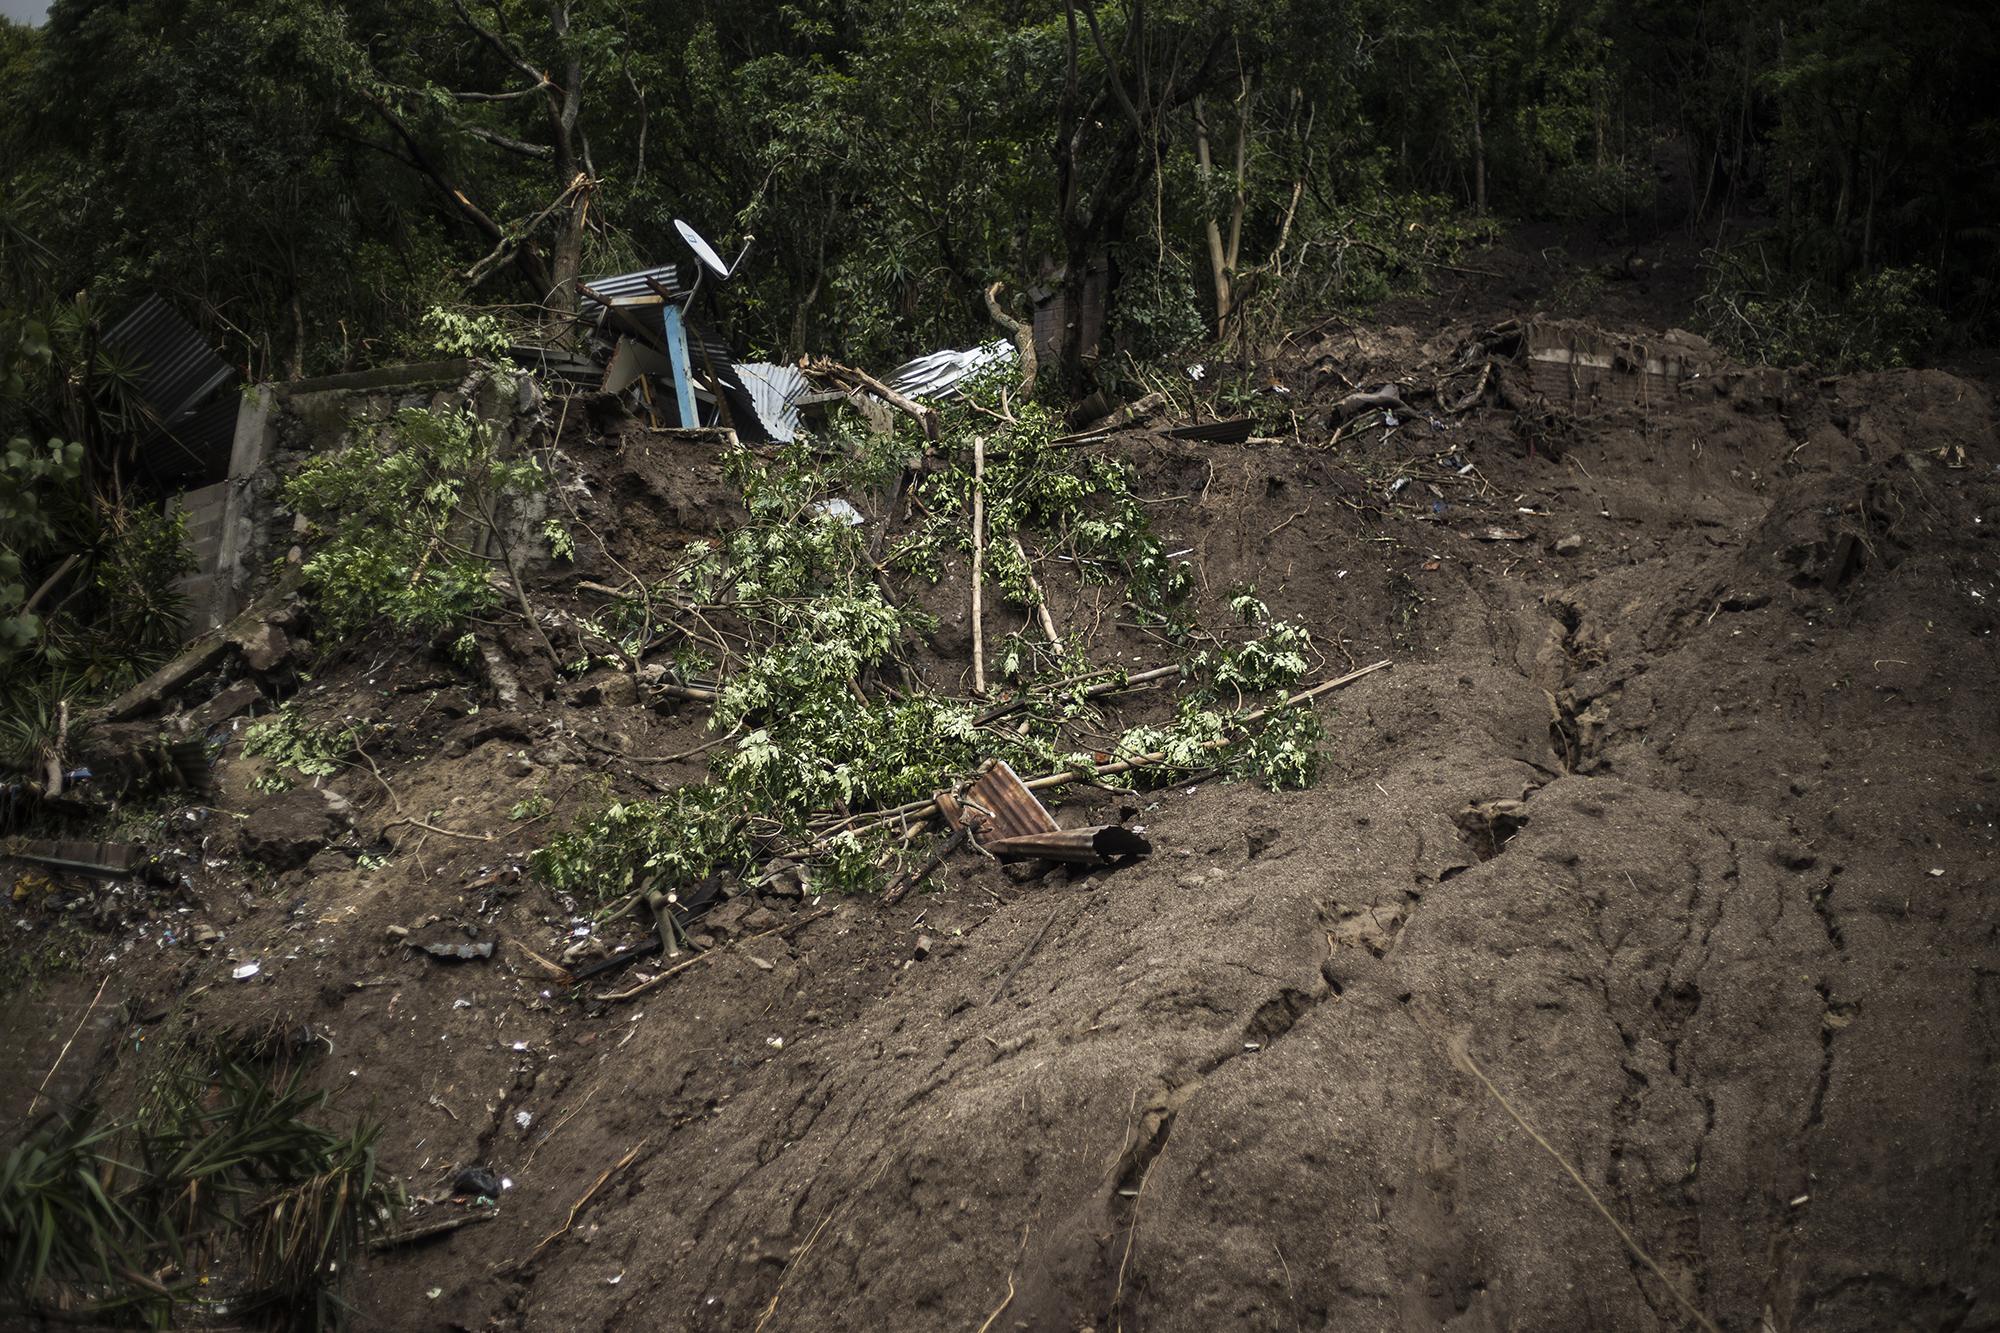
(238, 530)
(1583, 366)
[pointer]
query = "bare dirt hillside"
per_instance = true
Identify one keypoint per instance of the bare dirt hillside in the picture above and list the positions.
(1669, 833)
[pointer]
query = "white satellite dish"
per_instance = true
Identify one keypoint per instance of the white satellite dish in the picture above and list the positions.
(702, 250)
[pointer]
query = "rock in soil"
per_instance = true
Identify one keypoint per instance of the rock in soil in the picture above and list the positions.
(284, 831)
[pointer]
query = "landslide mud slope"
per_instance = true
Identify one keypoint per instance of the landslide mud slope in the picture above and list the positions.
(1708, 955)
(1682, 840)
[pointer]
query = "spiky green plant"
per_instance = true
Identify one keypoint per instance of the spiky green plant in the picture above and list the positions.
(125, 1216)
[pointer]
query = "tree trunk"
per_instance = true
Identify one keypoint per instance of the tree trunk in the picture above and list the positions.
(563, 109)
(1478, 159)
(1218, 266)
(1224, 256)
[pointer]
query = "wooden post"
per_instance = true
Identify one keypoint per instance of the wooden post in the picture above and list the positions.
(978, 564)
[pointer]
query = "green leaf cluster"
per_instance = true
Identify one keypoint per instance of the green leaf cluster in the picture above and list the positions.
(397, 516)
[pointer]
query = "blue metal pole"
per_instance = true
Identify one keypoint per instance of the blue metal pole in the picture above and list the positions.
(677, 354)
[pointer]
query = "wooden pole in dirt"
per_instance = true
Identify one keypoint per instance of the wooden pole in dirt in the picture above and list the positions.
(978, 563)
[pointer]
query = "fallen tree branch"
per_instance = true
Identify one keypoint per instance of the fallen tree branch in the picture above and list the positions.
(925, 809)
(926, 417)
(449, 833)
(1023, 334)
(1042, 611)
(1253, 716)
(578, 1206)
(62, 1054)
(1478, 392)
(1133, 681)
(1461, 1056)
(645, 986)
(894, 893)
(411, 1235)
(1387, 398)
(1027, 953)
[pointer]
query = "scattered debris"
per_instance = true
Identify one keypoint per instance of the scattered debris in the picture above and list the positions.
(476, 1182)
(1011, 822)
(1569, 545)
(842, 510)
(1234, 430)
(461, 951)
(203, 653)
(677, 968)
(1500, 535)
(411, 1235)
(939, 374)
(245, 971)
(861, 381)
(110, 860)
(776, 395)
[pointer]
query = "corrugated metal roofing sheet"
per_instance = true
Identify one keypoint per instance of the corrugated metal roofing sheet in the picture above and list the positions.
(175, 367)
(632, 288)
(774, 392)
(940, 373)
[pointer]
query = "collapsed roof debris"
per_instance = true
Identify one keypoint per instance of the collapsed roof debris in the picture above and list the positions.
(1012, 823)
(939, 374)
(180, 380)
(776, 395)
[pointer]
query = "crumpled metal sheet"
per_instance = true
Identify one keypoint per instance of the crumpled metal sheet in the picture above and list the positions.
(939, 374)
(1101, 845)
(775, 392)
(1011, 822)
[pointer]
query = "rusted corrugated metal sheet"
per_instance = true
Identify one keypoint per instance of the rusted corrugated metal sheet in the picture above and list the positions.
(1084, 846)
(1009, 808)
(1012, 823)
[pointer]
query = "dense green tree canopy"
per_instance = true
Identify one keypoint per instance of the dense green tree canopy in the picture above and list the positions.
(307, 177)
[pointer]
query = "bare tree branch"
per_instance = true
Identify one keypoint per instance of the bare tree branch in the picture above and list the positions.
(499, 140)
